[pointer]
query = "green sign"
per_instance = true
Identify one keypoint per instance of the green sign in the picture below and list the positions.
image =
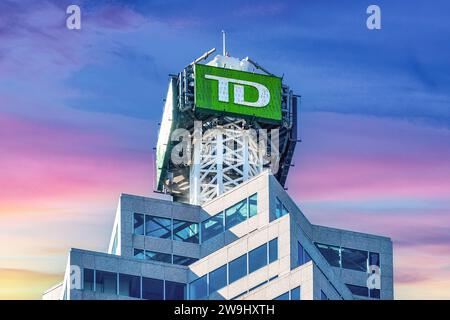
(237, 92)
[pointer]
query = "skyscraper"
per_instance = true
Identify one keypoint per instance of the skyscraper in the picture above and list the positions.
(221, 225)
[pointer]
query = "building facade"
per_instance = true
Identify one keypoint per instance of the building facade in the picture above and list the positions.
(251, 242)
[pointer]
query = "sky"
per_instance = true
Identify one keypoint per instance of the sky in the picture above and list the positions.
(79, 112)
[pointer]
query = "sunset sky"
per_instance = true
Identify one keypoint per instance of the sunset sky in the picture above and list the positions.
(79, 112)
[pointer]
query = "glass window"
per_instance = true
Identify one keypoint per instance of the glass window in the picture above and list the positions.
(152, 289)
(158, 227)
(217, 279)
(105, 282)
(280, 209)
(358, 290)
(323, 296)
(354, 259)
(303, 256)
(184, 261)
(198, 289)
(374, 293)
(284, 296)
(88, 279)
(139, 254)
(212, 227)
(273, 250)
(129, 286)
(257, 258)
(374, 259)
(237, 268)
(253, 205)
(330, 253)
(236, 214)
(158, 256)
(295, 294)
(175, 291)
(139, 224)
(185, 231)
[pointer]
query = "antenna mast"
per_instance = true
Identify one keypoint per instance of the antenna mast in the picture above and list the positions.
(224, 43)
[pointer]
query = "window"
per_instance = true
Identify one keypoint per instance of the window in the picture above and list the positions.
(175, 291)
(184, 261)
(374, 259)
(253, 205)
(88, 279)
(237, 268)
(129, 286)
(158, 256)
(236, 214)
(198, 289)
(303, 256)
(323, 296)
(295, 294)
(273, 250)
(152, 289)
(212, 227)
(257, 258)
(139, 224)
(105, 282)
(331, 254)
(217, 279)
(185, 231)
(139, 254)
(358, 290)
(354, 259)
(158, 227)
(280, 209)
(284, 296)
(374, 293)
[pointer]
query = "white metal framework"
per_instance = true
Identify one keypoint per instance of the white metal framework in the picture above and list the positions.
(223, 157)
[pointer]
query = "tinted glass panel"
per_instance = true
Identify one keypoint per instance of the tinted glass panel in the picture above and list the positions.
(374, 259)
(358, 290)
(217, 279)
(354, 259)
(323, 296)
(284, 296)
(185, 231)
(253, 205)
(158, 256)
(375, 293)
(106, 282)
(273, 250)
(280, 209)
(198, 289)
(237, 268)
(88, 279)
(139, 254)
(212, 227)
(129, 286)
(295, 294)
(175, 291)
(236, 214)
(158, 227)
(257, 258)
(138, 224)
(184, 261)
(152, 289)
(331, 254)
(303, 256)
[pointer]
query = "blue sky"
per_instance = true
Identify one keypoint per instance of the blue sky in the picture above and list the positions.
(79, 111)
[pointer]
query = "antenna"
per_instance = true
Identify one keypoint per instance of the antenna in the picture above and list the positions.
(224, 43)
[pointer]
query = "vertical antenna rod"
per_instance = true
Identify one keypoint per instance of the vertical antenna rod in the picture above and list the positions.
(223, 43)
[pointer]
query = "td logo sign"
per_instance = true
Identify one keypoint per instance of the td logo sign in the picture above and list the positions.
(263, 92)
(226, 91)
